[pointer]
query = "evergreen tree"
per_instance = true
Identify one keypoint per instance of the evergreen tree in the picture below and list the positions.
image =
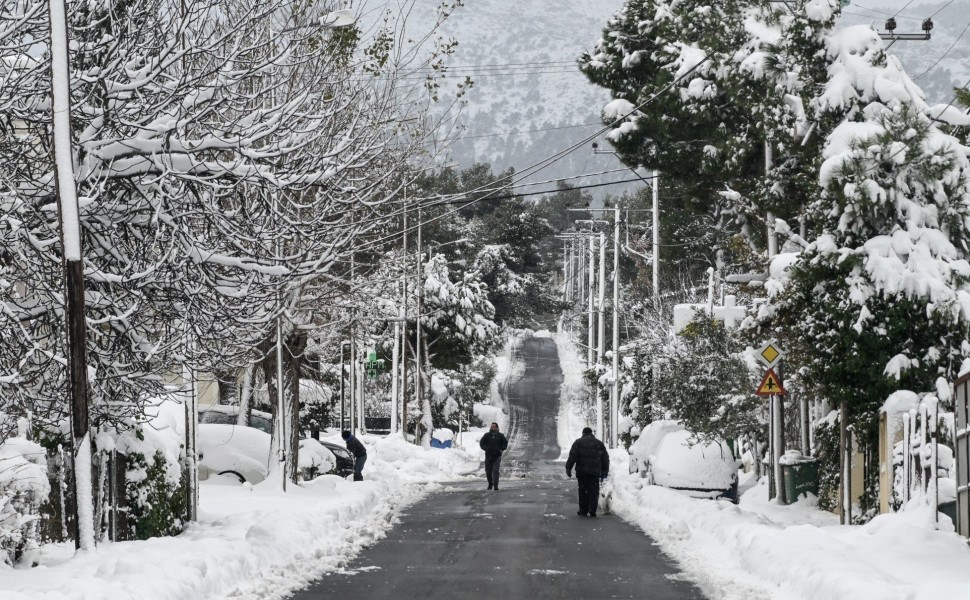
(880, 301)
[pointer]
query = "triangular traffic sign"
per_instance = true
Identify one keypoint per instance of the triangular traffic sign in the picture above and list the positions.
(770, 385)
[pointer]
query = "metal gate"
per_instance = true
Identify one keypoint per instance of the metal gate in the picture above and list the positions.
(962, 409)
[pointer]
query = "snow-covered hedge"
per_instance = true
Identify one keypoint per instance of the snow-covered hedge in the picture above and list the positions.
(23, 488)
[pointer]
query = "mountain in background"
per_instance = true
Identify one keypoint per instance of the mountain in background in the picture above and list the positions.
(529, 100)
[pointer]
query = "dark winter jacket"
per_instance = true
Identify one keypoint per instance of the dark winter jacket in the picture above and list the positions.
(355, 447)
(589, 456)
(493, 443)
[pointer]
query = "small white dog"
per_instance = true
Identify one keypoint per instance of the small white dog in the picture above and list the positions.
(606, 497)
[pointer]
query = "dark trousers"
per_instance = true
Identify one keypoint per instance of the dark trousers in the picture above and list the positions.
(359, 467)
(492, 464)
(589, 493)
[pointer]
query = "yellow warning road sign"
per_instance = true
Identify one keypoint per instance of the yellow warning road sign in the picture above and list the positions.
(770, 385)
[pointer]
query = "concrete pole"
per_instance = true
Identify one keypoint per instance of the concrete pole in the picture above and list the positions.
(404, 326)
(590, 317)
(656, 239)
(777, 442)
(615, 392)
(282, 444)
(601, 333)
(361, 380)
(395, 358)
(352, 379)
(418, 397)
(565, 271)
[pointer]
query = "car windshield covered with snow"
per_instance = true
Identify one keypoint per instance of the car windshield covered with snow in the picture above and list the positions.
(225, 414)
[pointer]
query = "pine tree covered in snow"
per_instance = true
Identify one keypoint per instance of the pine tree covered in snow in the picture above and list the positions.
(880, 301)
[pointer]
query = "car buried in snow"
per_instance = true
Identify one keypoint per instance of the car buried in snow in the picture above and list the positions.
(243, 452)
(668, 455)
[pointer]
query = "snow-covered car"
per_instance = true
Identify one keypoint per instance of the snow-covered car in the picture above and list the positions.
(244, 452)
(668, 455)
(225, 414)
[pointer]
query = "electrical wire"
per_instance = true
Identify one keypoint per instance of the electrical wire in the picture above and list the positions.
(548, 161)
(953, 45)
(882, 12)
(903, 8)
(520, 132)
(941, 8)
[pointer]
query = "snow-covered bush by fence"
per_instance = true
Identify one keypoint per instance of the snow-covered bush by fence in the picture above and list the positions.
(23, 488)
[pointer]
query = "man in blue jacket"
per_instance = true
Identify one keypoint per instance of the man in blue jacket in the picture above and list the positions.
(359, 452)
(592, 463)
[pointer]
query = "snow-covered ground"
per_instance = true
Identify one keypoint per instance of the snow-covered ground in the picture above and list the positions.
(251, 541)
(762, 550)
(257, 541)
(759, 550)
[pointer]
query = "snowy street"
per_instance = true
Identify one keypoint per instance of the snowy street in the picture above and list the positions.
(522, 541)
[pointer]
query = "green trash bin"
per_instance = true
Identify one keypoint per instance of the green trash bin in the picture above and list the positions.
(801, 477)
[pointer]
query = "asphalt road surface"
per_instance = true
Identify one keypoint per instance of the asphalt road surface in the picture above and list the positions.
(522, 542)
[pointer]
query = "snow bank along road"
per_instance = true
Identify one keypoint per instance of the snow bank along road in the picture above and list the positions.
(521, 542)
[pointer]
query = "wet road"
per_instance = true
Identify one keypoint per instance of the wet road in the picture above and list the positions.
(524, 541)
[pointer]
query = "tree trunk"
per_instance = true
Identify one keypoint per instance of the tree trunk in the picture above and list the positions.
(293, 357)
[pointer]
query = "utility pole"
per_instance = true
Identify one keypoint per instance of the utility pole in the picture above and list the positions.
(343, 374)
(70, 218)
(615, 392)
(418, 395)
(404, 324)
(352, 403)
(280, 404)
(395, 359)
(656, 239)
(590, 317)
(600, 334)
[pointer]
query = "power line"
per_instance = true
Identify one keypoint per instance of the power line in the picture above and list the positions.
(882, 12)
(546, 162)
(526, 194)
(521, 131)
(903, 8)
(941, 9)
(933, 66)
(849, 12)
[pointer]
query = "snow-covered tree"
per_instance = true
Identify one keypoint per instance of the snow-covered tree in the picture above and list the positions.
(226, 158)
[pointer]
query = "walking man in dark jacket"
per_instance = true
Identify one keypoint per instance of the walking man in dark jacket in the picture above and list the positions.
(359, 452)
(494, 444)
(592, 463)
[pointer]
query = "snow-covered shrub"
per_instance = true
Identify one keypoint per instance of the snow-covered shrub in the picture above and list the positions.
(827, 452)
(23, 488)
(157, 504)
(155, 491)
